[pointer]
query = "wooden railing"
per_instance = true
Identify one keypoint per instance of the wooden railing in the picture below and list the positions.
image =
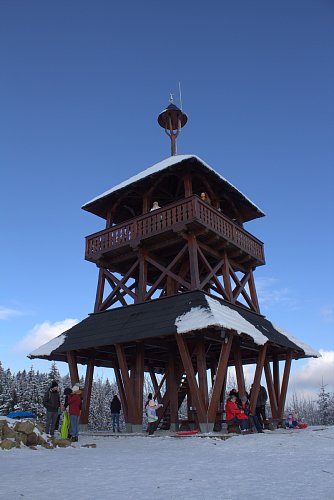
(176, 214)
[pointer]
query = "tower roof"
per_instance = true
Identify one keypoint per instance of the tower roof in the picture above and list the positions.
(99, 204)
(190, 312)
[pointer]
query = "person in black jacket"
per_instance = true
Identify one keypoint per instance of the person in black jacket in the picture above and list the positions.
(261, 404)
(51, 401)
(115, 409)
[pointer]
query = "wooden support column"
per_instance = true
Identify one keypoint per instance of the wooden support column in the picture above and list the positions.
(189, 369)
(252, 291)
(142, 280)
(87, 391)
(121, 391)
(219, 379)
(271, 390)
(100, 290)
(276, 377)
(133, 416)
(285, 381)
(227, 279)
(239, 371)
(172, 386)
(193, 261)
(201, 370)
(138, 387)
(257, 377)
(73, 367)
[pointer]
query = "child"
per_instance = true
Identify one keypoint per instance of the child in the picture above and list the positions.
(151, 409)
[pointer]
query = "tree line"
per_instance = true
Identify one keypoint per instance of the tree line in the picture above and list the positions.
(24, 391)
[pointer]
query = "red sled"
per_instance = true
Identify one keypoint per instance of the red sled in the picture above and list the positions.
(302, 426)
(187, 433)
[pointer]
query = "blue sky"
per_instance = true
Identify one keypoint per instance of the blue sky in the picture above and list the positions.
(82, 84)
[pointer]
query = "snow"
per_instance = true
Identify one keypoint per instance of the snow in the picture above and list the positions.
(309, 351)
(284, 464)
(168, 162)
(46, 349)
(217, 315)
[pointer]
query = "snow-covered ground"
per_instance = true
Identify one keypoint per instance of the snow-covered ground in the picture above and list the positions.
(284, 464)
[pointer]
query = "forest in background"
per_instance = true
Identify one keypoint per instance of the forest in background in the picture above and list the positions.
(24, 391)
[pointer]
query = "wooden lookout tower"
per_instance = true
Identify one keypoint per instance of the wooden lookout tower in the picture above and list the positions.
(176, 296)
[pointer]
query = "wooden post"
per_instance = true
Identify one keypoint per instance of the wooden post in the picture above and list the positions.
(239, 371)
(172, 389)
(142, 280)
(133, 416)
(220, 376)
(193, 261)
(285, 382)
(189, 369)
(276, 377)
(122, 396)
(73, 367)
(253, 293)
(201, 369)
(257, 377)
(138, 387)
(100, 290)
(271, 390)
(87, 391)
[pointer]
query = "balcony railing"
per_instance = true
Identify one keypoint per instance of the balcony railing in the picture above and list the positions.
(180, 213)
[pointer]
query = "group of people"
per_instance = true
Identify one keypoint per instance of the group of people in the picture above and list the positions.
(71, 407)
(238, 410)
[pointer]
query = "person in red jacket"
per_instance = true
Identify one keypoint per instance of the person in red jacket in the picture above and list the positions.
(235, 415)
(74, 405)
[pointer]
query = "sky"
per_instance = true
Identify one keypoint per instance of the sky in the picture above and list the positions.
(81, 86)
(178, 468)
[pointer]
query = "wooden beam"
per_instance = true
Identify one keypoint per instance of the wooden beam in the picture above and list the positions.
(271, 390)
(121, 391)
(73, 367)
(172, 386)
(132, 407)
(189, 369)
(87, 391)
(201, 370)
(100, 290)
(193, 260)
(138, 386)
(276, 377)
(219, 379)
(257, 377)
(285, 381)
(239, 371)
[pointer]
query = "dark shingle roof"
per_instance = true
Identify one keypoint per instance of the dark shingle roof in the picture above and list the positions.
(154, 319)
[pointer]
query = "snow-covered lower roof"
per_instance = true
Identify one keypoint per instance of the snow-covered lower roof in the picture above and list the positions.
(217, 314)
(178, 314)
(162, 165)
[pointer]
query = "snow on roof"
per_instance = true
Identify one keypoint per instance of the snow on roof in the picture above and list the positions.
(168, 162)
(306, 348)
(46, 349)
(217, 315)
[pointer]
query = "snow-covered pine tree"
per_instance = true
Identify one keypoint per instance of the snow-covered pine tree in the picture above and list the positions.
(324, 405)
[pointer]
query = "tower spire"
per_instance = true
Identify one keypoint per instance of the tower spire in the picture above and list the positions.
(172, 119)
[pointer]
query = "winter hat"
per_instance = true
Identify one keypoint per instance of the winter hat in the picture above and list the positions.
(54, 384)
(151, 402)
(67, 391)
(75, 388)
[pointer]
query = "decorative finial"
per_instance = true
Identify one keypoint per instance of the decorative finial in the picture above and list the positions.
(172, 119)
